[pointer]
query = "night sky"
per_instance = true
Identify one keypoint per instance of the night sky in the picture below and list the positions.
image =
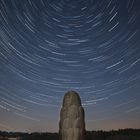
(48, 47)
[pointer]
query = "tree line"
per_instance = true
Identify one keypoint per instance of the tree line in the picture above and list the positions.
(121, 134)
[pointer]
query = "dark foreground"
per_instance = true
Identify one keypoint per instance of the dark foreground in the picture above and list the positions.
(122, 134)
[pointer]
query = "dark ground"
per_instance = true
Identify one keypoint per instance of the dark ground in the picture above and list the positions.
(122, 134)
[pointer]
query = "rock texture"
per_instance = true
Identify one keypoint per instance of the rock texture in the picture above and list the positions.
(72, 118)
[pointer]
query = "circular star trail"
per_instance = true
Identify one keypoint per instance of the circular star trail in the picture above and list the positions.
(48, 47)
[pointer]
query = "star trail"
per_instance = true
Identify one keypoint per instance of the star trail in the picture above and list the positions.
(48, 47)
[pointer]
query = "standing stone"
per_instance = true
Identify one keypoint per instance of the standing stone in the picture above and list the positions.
(72, 118)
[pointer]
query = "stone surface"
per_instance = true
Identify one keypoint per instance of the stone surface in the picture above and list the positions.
(72, 118)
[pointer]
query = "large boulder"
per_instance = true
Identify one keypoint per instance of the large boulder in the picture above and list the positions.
(72, 118)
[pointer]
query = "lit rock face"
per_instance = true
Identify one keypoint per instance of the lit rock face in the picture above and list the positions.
(72, 118)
